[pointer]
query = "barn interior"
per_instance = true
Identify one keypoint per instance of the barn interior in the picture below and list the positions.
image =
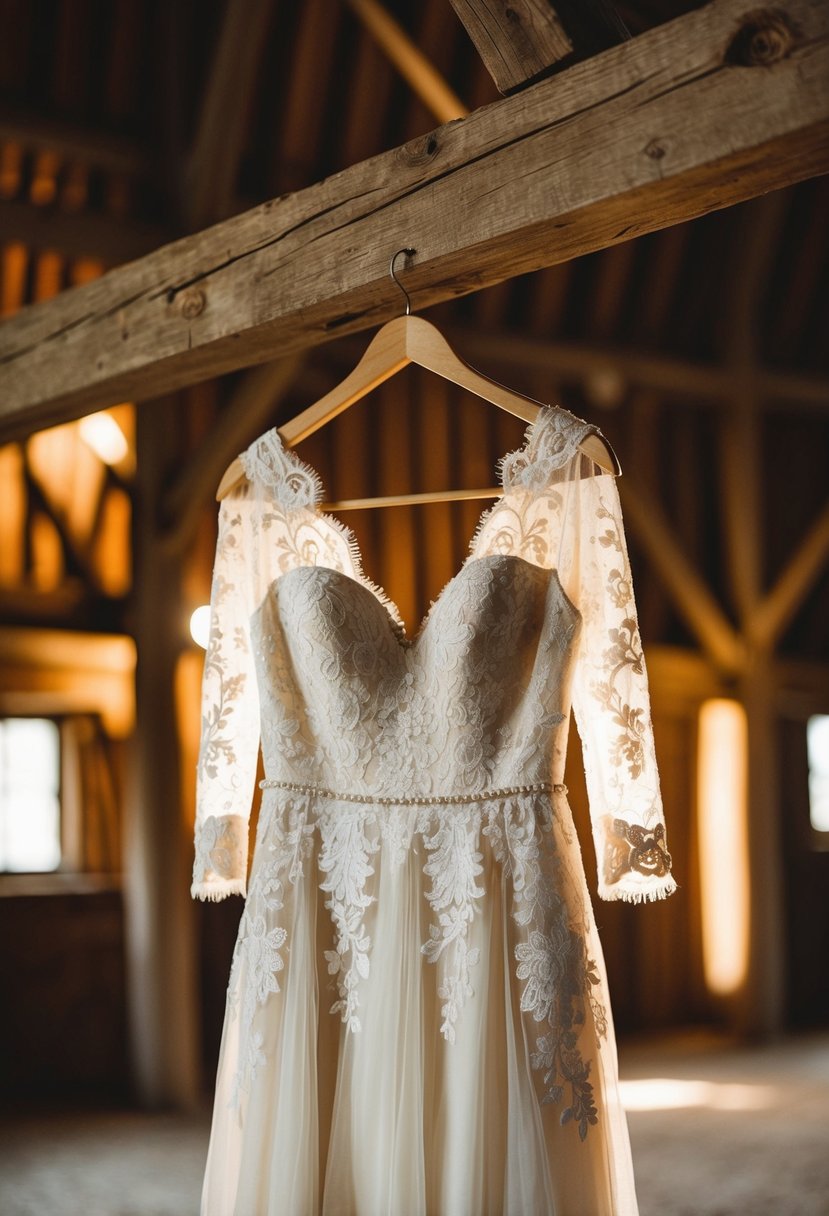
(696, 337)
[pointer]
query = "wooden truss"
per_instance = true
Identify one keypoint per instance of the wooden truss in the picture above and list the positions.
(713, 108)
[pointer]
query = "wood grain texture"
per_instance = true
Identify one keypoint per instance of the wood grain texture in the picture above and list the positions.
(518, 40)
(664, 128)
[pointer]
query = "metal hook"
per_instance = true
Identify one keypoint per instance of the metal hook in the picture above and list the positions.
(409, 253)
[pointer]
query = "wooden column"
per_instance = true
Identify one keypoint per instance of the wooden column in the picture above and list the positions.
(159, 912)
(760, 1010)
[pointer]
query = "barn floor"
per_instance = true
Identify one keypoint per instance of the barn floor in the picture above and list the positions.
(716, 1130)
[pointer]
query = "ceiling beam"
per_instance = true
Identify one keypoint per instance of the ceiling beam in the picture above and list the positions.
(664, 128)
(701, 383)
(219, 142)
(254, 402)
(78, 234)
(410, 61)
(520, 40)
(113, 153)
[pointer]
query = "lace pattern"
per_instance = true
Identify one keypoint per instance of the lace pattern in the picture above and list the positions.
(221, 856)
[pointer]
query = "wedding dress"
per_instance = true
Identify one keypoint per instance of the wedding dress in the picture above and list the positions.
(417, 1018)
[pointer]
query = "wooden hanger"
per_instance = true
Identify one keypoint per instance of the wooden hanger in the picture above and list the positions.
(411, 339)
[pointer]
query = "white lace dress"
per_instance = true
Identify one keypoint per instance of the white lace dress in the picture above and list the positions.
(417, 1017)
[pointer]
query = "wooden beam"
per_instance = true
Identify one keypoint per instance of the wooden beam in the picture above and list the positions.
(740, 437)
(213, 165)
(520, 40)
(666, 374)
(777, 608)
(662, 129)
(687, 588)
(78, 234)
(254, 402)
(113, 153)
(157, 847)
(410, 62)
(76, 556)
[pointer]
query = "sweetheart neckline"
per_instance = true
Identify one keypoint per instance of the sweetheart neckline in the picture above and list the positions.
(404, 640)
(355, 552)
(337, 525)
(380, 594)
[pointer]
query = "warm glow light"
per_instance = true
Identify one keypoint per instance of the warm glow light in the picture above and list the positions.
(817, 739)
(200, 626)
(103, 434)
(723, 843)
(669, 1093)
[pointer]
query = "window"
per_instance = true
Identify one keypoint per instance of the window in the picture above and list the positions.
(29, 794)
(817, 745)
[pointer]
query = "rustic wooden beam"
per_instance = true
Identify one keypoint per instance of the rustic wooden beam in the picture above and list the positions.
(666, 374)
(412, 64)
(157, 847)
(776, 609)
(664, 128)
(113, 153)
(213, 164)
(254, 402)
(78, 234)
(741, 460)
(520, 40)
(688, 590)
(76, 556)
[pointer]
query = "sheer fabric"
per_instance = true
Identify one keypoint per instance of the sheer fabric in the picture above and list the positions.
(417, 1013)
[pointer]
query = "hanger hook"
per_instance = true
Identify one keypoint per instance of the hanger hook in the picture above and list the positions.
(409, 253)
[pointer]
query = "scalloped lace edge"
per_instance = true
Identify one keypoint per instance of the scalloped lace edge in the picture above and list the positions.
(638, 893)
(218, 889)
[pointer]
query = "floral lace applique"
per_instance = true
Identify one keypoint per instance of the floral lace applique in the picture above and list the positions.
(292, 483)
(344, 856)
(550, 442)
(221, 853)
(552, 959)
(453, 867)
(630, 846)
(257, 961)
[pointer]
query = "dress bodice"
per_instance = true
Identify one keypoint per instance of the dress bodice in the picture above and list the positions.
(470, 703)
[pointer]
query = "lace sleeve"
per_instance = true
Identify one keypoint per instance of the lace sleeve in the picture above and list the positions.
(611, 701)
(229, 742)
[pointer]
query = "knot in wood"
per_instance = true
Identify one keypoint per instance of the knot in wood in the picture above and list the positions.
(764, 38)
(655, 149)
(421, 150)
(192, 302)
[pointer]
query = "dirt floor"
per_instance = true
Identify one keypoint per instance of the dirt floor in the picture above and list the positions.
(716, 1131)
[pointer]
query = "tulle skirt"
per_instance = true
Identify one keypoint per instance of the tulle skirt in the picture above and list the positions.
(441, 1084)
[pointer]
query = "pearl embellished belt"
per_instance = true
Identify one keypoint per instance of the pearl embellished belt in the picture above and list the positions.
(535, 787)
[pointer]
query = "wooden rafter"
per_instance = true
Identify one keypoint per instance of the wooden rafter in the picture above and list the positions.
(521, 40)
(672, 376)
(776, 609)
(78, 233)
(213, 164)
(689, 591)
(664, 128)
(255, 401)
(412, 64)
(114, 154)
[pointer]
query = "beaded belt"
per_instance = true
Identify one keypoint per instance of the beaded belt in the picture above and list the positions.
(535, 787)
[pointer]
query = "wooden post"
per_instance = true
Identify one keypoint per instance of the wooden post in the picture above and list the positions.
(760, 1012)
(159, 913)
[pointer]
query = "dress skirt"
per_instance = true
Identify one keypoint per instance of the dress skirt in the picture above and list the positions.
(417, 1019)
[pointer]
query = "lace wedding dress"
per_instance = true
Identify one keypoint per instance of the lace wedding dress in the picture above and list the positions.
(417, 1015)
